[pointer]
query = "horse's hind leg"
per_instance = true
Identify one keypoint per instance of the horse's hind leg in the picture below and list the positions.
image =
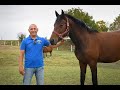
(93, 67)
(83, 67)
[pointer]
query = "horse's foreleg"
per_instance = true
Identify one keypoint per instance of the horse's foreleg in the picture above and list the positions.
(93, 68)
(83, 72)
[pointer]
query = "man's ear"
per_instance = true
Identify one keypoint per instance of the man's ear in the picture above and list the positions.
(37, 29)
(28, 30)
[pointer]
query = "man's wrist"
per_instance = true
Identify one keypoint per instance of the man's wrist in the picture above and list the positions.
(20, 65)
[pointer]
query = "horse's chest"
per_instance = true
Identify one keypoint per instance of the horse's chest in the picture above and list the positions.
(80, 55)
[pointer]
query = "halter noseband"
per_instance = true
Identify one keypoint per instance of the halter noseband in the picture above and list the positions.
(66, 31)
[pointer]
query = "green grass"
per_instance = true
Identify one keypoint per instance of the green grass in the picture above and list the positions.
(62, 68)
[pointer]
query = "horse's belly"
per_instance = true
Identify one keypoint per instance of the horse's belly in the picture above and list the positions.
(109, 59)
(109, 53)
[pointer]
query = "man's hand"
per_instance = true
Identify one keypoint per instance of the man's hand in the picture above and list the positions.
(62, 42)
(58, 44)
(21, 70)
(20, 61)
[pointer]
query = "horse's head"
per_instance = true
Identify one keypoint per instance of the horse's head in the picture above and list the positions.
(61, 28)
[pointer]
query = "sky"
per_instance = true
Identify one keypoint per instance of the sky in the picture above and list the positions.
(17, 18)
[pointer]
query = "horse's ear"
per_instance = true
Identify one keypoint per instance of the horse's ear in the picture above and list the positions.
(62, 12)
(56, 13)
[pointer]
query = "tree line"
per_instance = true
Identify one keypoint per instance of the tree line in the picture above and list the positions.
(100, 26)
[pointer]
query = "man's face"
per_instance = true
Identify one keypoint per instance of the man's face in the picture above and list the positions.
(33, 30)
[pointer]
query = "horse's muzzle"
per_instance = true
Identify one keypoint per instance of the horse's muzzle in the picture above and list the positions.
(52, 42)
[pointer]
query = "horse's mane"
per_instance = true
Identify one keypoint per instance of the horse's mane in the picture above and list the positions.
(81, 23)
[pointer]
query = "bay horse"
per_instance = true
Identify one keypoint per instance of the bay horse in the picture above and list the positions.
(91, 46)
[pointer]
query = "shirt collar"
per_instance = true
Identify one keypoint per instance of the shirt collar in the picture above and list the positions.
(35, 38)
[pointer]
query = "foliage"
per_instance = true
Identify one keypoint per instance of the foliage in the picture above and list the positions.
(102, 26)
(84, 16)
(116, 24)
(21, 36)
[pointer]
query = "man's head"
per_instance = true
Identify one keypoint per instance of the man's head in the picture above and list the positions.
(33, 30)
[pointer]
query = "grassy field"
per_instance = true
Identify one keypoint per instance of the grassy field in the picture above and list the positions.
(60, 69)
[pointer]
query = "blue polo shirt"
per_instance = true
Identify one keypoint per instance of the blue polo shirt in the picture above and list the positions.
(33, 51)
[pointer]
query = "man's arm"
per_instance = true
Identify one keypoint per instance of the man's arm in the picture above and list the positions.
(20, 61)
(57, 45)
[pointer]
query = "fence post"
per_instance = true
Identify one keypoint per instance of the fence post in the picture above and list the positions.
(11, 43)
(4, 42)
(18, 43)
(71, 48)
(57, 48)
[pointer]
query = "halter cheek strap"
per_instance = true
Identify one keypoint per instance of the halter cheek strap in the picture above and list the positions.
(66, 31)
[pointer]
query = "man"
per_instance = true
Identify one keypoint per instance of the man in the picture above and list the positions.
(31, 49)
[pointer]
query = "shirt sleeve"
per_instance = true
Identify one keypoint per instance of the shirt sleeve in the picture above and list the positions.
(22, 46)
(46, 43)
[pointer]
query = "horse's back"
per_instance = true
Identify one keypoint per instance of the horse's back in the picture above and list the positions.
(109, 38)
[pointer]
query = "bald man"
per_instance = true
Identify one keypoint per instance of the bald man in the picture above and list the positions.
(31, 51)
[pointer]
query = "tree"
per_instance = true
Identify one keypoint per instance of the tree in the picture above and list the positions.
(102, 26)
(116, 24)
(21, 36)
(84, 16)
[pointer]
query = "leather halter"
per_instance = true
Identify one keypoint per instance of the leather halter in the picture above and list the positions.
(65, 32)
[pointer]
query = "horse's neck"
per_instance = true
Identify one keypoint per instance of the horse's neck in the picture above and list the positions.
(78, 37)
